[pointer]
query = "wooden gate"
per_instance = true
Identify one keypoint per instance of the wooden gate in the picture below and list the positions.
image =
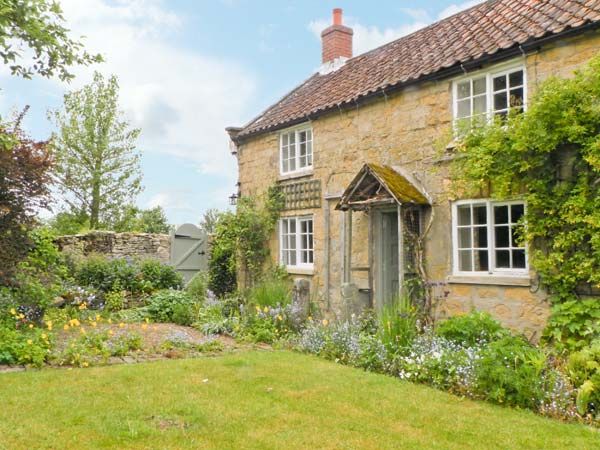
(189, 250)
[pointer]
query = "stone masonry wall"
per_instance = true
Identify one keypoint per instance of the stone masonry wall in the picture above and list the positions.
(118, 245)
(409, 130)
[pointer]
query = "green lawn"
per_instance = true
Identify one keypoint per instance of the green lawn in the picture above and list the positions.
(257, 399)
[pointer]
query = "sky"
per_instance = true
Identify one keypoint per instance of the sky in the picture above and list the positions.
(189, 68)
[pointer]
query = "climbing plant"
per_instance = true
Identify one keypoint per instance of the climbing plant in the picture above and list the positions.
(550, 157)
(241, 240)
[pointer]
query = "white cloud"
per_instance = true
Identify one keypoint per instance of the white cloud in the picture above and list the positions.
(181, 99)
(369, 37)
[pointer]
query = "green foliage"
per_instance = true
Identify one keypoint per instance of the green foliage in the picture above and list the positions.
(66, 222)
(398, 324)
(273, 290)
(510, 371)
(197, 287)
(24, 347)
(24, 189)
(550, 157)
(38, 27)
(173, 306)
(96, 347)
(471, 329)
(136, 277)
(114, 301)
(134, 219)
(583, 368)
(97, 164)
(240, 241)
(573, 324)
(209, 220)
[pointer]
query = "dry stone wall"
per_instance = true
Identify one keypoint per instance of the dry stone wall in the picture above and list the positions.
(118, 245)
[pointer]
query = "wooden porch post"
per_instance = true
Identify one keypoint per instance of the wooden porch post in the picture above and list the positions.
(347, 246)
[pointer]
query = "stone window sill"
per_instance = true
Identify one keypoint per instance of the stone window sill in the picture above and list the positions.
(490, 280)
(293, 176)
(300, 270)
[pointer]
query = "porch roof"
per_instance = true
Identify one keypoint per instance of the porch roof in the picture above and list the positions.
(379, 184)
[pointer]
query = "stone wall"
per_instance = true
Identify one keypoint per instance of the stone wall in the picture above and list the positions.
(408, 130)
(118, 245)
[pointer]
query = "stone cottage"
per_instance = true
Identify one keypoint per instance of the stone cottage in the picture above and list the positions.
(362, 149)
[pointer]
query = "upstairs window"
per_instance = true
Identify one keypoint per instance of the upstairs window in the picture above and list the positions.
(296, 153)
(483, 96)
(486, 238)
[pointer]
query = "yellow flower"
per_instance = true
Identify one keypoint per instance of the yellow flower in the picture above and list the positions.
(310, 318)
(111, 332)
(13, 312)
(84, 364)
(144, 326)
(109, 320)
(279, 317)
(257, 308)
(325, 322)
(94, 324)
(49, 327)
(98, 318)
(21, 316)
(147, 320)
(29, 341)
(65, 327)
(44, 336)
(121, 325)
(266, 309)
(82, 330)
(30, 325)
(83, 306)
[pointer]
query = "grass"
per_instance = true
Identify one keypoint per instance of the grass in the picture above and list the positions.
(258, 399)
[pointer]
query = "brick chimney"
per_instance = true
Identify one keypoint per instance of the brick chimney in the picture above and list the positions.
(336, 39)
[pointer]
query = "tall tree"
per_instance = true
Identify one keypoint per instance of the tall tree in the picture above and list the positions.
(97, 163)
(36, 27)
(24, 189)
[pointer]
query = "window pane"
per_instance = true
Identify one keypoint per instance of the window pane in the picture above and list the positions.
(302, 148)
(518, 259)
(284, 139)
(464, 238)
(516, 97)
(463, 89)
(500, 83)
(480, 215)
(500, 101)
(292, 225)
(292, 164)
(502, 237)
(292, 258)
(516, 78)
(480, 237)
(464, 215)
(503, 259)
(479, 86)
(292, 138)
(516, 212)
(479, 104)
(481, 260)
(464, 260)
(500, 214)
(463, 108)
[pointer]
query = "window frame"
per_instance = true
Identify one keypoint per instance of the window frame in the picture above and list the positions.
(299, 250)
(296, 131)
(490, 74)
(491, 240)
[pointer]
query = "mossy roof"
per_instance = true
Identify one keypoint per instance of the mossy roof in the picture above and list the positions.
(400, 188)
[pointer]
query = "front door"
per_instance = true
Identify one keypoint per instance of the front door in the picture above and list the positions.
(389, 279)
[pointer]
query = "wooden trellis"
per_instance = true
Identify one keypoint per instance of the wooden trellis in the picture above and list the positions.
(302, 194)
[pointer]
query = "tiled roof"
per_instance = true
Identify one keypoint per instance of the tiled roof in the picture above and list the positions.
(485, 30)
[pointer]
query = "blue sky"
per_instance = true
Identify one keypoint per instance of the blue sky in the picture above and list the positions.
(188, 69)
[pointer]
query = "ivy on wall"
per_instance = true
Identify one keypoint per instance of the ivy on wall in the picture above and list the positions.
(549, 156)
(240, 242)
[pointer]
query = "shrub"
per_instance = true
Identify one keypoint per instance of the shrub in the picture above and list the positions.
(114, 301)
(96, 347)
(583, 368)
(24, 347)
(217, 316)
(136, 277)
(272, 291)
(197, 286)
(471, 329)
(398, 324)
(173, 306)
(510, 371)
(573, 324)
